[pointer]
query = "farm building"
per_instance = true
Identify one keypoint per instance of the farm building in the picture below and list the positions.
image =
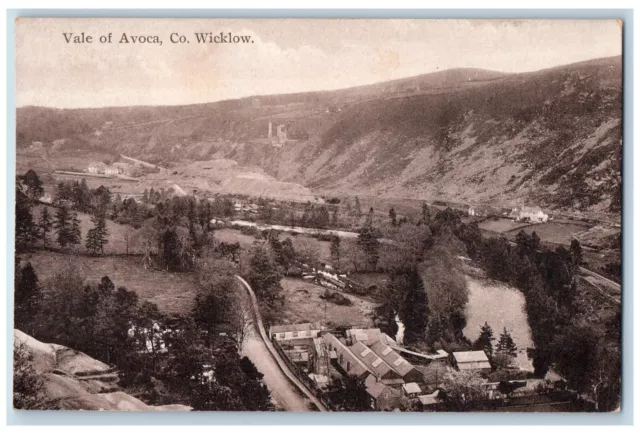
(471, 361)
(529, 213)
(293, 331)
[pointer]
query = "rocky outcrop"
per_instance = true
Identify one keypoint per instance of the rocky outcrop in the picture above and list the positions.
(74, 381)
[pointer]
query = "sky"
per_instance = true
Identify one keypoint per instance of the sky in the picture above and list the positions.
(285, 56)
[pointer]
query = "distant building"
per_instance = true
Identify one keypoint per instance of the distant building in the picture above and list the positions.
(529, 213)
(293, 331)
(480, 211)
(112, 170)
(471, 361)
(97, 168)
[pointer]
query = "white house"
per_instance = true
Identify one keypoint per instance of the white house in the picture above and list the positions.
(530, 213)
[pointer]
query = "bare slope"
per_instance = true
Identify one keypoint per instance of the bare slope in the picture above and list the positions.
(551, 137)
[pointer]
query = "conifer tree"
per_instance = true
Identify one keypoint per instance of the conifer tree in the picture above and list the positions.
(506, 345)
(76, 232)
(45, 224)
(358, 208)
(485, 339)
(393, 217)
(62, 227)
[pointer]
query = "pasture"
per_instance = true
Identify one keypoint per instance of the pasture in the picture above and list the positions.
(117, 233)
(172, 292)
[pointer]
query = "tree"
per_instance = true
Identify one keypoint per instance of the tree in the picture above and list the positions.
(576, 253)
(45, 224)
(484, 341)
(368, 242)
(76, 232)
(335, 249)
(506, 345)
(463, 388)
(369, 221)
(589, 364)
(392, 217)
(97, 236)
(426, 215)
(263, 275)
(358, 208)
(28, 388)
(25, 228)
(62, 227)
(334, 219)
(414, 309)
(33, 184)
(27, 297)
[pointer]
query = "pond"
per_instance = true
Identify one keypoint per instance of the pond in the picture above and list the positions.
(500, 306)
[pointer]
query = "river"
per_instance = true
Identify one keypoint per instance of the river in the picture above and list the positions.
(500, 306)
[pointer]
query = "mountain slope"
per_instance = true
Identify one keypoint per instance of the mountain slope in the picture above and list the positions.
(550, 138)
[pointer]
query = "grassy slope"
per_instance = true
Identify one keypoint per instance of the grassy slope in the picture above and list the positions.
(172, 292)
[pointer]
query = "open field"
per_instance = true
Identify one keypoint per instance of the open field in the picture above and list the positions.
(501, 225)
(231, 236)
(553, 232)
(303, 304)
(116, 244)
(172, 292)
(300, 242)
(501, 306)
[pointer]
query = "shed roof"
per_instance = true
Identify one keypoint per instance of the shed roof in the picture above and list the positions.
(292, 328)
(393, 359)
(430, 399)
(375, 364)
(356, 368)
(470, 356)
(411, 388)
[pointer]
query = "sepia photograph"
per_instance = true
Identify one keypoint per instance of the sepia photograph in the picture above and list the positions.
(318, 215)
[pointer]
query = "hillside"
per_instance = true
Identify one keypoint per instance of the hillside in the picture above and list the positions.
(75, 381)
(551, 138)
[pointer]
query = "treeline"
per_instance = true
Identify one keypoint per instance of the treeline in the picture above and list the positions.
(196, 357)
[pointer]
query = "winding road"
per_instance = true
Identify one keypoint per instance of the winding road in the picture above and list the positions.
(287, 391)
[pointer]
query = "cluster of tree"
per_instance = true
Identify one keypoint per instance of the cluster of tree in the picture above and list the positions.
(505, 350)
(197, 365)
(81, 198)
(548, 280)
(64, 224)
